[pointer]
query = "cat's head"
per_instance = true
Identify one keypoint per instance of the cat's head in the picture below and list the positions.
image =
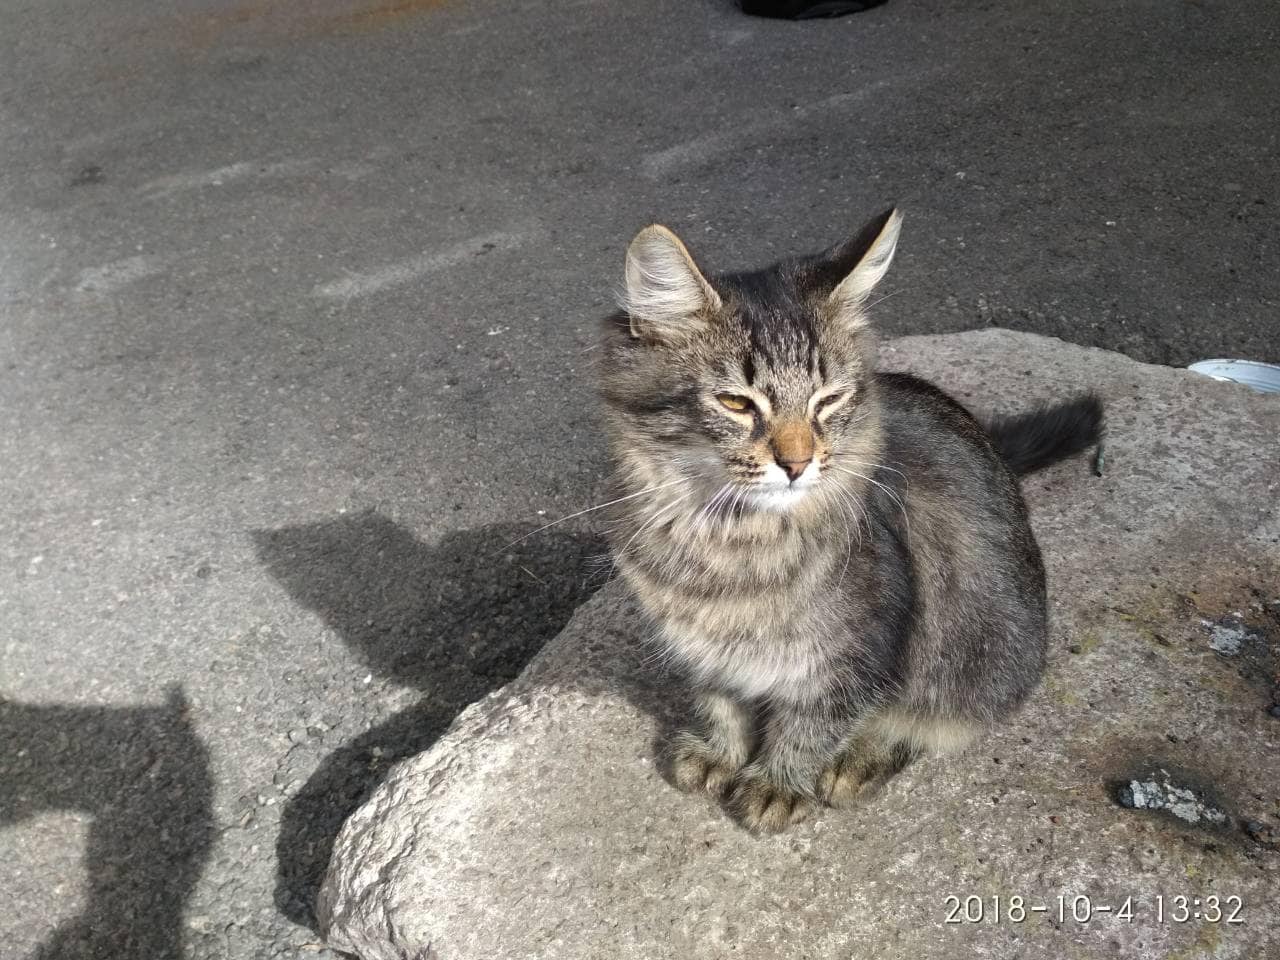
(759, 382)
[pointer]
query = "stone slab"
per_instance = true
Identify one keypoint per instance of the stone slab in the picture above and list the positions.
(541, 824)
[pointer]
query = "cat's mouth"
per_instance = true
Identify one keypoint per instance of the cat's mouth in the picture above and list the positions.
(780, 500)
(777, 491)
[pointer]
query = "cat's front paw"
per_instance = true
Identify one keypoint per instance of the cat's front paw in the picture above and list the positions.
(846, 779)
(860, 769)
(763, 805)
(698, 768)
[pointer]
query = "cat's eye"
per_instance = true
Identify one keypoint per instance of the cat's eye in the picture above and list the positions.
(731, 401)
(830, 400)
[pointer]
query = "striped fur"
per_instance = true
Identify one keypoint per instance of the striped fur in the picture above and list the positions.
(887, 601)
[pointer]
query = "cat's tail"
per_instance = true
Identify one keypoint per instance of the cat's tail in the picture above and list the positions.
(1031, 441)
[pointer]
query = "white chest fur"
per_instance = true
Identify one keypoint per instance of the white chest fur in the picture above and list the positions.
(789, 667)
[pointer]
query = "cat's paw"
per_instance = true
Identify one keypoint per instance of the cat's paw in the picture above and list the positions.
(846, 779)
(698, 768)
(763, 805)
(861, 769)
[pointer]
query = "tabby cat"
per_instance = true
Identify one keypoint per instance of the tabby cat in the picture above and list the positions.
(839, 558)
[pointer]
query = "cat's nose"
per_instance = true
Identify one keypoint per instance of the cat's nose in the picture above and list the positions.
(792, 445)
(793, 468)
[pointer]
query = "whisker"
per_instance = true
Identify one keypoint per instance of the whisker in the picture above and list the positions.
(731, 511)
(630, 496)
(706, 511)
(888, 492)
(618, 554)
(881, 299)
(861, 514)
(854, 508)
(848, 549)
(867, 463)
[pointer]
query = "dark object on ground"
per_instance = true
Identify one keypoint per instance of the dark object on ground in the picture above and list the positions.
(806, 9)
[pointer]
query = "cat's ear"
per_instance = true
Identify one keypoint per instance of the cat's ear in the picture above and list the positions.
(666, 294)
(860, 264)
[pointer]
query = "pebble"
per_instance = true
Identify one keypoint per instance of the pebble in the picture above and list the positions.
(1260, 832)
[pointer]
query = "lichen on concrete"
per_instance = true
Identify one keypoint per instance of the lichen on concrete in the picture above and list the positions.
(1160, 792)
(1227, 636)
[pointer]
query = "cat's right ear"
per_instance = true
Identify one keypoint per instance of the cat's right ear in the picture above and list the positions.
(667, 296)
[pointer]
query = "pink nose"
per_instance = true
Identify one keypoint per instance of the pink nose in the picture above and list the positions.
(793, 468)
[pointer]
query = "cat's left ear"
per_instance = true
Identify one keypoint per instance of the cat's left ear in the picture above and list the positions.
(861, 263)
(667, 296)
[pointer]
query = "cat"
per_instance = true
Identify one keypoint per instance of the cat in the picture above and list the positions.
(839, 558)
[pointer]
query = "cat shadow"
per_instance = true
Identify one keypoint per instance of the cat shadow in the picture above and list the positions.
(143, 775)
(453, 620)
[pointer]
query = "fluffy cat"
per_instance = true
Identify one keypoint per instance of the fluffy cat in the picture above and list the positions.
(839, 558)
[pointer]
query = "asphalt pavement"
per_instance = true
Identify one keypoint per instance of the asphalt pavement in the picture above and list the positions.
(297, 313)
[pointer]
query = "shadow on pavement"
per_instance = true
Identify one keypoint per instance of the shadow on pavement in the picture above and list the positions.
(454, 620)
(143, 775)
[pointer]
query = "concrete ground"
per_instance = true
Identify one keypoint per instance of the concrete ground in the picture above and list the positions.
(296, 317)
